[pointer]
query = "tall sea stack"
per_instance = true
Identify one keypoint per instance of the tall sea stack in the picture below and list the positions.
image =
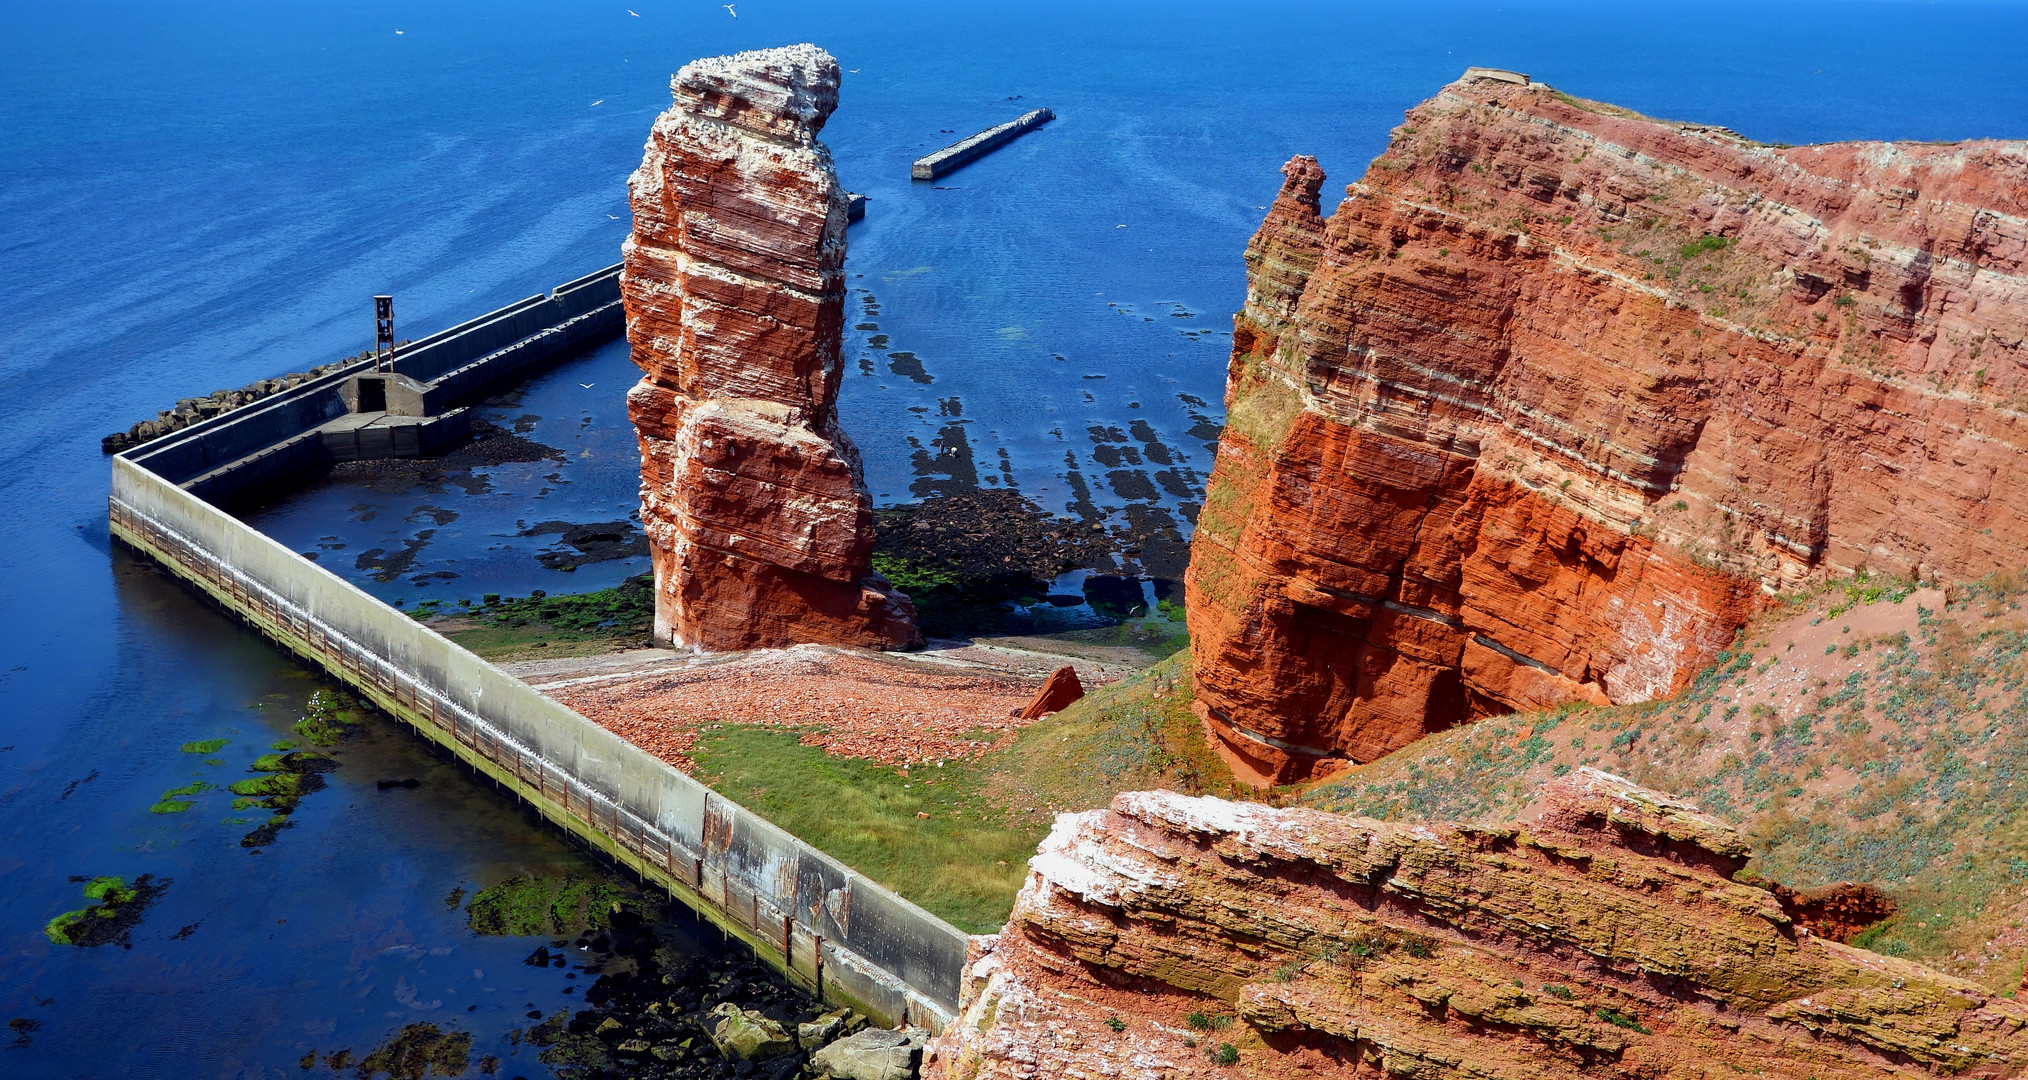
(1561, 393)
(752, 498)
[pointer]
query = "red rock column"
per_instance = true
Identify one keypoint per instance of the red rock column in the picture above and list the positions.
(756, 512)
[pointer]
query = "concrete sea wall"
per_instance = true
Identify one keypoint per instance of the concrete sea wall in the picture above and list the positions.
(844, 937)
(262, 445)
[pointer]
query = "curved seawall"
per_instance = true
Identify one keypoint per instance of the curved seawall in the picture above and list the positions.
(844, 937)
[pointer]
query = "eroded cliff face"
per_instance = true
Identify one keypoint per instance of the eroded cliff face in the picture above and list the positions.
(1560, 393)
(1176, 937)
(751, 496)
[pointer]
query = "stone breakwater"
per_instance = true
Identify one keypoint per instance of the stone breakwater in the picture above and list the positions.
(1560, 393)
(192, 410)
(1175, 937)
(753, 499)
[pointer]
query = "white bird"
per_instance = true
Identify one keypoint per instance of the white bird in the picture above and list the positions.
(615, 217)
(586, 385)
(634, 13)
(1119, 226)
(728, 8)
(854, 71)
(598, 103)
(397, 32)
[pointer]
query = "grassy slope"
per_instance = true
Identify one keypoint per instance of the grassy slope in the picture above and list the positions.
(966, 859)
(1898, 756)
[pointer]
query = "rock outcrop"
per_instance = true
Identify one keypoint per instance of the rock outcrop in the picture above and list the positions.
(756, 511)
(1176, 937)
(1059, 692)
(1559, 393)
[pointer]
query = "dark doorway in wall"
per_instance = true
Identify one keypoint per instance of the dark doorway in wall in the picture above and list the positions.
(372, 395)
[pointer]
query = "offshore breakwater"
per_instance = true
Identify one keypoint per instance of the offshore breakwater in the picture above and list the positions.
(843, 937)
(965, 151)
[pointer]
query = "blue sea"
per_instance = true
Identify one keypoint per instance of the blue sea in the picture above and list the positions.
(197, 195)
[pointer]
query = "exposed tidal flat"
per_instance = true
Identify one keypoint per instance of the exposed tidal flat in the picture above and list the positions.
(205, 197)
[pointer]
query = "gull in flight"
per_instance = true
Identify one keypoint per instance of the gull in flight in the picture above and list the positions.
(615, 217)
(586, 385)
(597, 103)
(397, 33)
(634, 13)
(854, 71)
(728, 8)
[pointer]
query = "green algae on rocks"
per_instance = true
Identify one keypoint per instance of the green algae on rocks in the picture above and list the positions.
(111, 919)
(286, 779)
(206, 746)
(537, 906)
(416, 1051)
(331, 717)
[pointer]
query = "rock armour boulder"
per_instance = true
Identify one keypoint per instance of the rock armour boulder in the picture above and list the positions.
(873, 1054)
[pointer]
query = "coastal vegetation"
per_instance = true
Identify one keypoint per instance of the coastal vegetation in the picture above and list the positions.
(534, 906)
(956, 837)
(1865, 731)
(575, 624)
(110, 919)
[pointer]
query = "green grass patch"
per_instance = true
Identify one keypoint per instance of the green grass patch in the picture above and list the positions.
(1905, 767)
(956, 839)
(1707, 242)
(206, 746)
(1134, 735)
(963, 862)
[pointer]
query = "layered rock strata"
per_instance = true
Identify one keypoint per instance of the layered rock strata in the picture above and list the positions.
(1560, 393)
(1175, 937)
(752, 498)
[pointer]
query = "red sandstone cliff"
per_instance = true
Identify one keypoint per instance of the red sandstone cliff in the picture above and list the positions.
(1170, 937)
(751, 496)
(1561, 392)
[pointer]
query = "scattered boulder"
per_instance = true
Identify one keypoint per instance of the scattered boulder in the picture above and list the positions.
(1062, 688)
(873, 1054)
(821, 1030)
(745, 1034)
